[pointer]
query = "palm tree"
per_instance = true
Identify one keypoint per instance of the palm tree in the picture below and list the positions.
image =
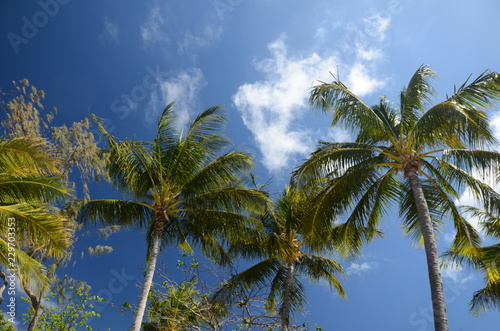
(181, 190)
(287, 253)
(486, 260)
(28, 183)
(435, 148)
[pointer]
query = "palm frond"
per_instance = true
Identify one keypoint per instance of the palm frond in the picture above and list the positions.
(415, 97)
(318, 268)
(347, 108)
(225, 170)
(260, 273)
(167, 135)
(26, 157)
(461, 120)
(32, 189)
(332, 159)
(115, 212)
(362, 224)
(27, 268)
(132, 167)
(485, 299)
(40, 229)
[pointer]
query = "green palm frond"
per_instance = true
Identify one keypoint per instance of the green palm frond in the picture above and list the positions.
(27, 268)
(223, 171)
(115, 212)
(461, 120)
(26, 157)
(332, 160)
(132, 167)
(415, 97)
(389, 117)
(36, 227)
(260, 273)
(15, 189)
(318, 268)
(485, 163)
(341, 193)
(489, 222)
(486, 259)
(167, 136)
(485, 299)
(347, 108)
(362, 224)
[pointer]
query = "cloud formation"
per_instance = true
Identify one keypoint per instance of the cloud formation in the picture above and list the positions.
(272, 108)
(360, 268)
(111, 31)
(151, 31)
(183, 89)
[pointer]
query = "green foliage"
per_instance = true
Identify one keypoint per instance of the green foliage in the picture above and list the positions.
(285, 252)
(73, 313)
(182, 188)
(414, 154)
(486, 260)
(436, 142)
(5, 325)
(72, 147)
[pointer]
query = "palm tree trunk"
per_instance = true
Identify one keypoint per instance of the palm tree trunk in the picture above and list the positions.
(148, 280)
(286, 307)
(431, 252)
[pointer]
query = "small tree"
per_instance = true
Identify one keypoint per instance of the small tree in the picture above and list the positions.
(72, 310)
(68, 148)
(188, 304)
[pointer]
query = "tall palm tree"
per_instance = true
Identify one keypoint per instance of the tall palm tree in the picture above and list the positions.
(28, 183)
(181, 190)
(418, 155)
(286, 253)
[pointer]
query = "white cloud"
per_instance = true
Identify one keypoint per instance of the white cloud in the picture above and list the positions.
(272, 108)
(360, 81)
(368, 53)
(456, 275)
(151, 31)
(182, 89)
(376, 25)
(111, 31)
(190, 41)
(360, 268)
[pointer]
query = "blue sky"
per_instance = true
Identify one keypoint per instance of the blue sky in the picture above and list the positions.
(125, 60)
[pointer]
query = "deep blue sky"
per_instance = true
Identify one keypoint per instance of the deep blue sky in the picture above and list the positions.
(125, 60)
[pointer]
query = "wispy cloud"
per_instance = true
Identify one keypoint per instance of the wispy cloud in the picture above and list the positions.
(457, 275)
(361, 82)
(152, 31)
(182, 89)
(190, 42)
(376, 25)
(360, 268)
(272, 108)
(111, 31)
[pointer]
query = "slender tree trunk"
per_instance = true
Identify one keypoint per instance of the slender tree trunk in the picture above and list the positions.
(3, 276)
(287, 305)
(148, 279)
(37, 306)
(431, 252)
